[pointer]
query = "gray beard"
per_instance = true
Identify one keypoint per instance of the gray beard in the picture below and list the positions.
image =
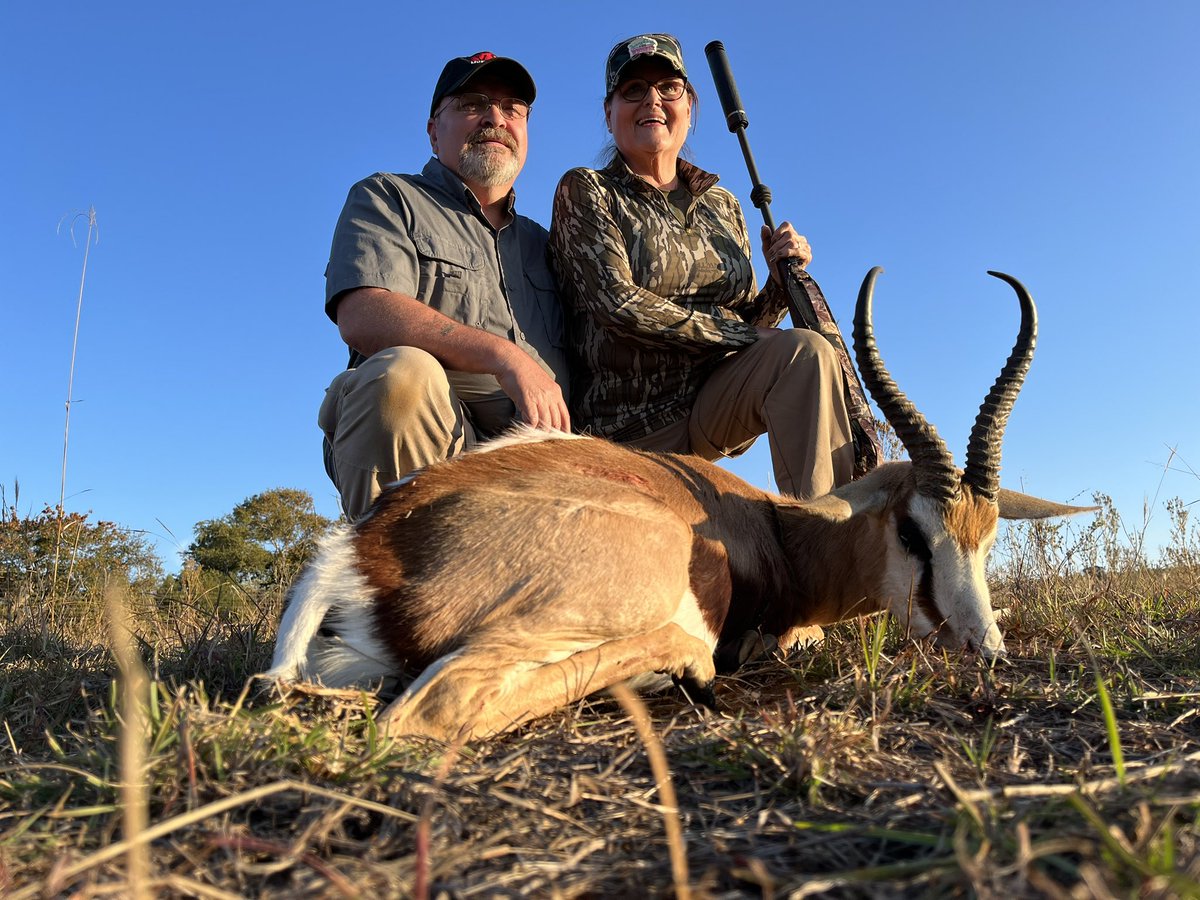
(487, 167)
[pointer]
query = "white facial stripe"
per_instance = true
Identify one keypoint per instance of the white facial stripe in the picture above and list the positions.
(958, 586)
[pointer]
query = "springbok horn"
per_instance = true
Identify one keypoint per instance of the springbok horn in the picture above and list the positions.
(983, 451)
(932, 462)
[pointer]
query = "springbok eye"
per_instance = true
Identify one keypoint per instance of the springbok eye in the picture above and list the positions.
(913, 541)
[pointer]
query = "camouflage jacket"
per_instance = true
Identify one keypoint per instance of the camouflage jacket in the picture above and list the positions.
(653, 303)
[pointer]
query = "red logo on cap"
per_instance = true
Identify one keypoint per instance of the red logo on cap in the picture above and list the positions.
(482, 57)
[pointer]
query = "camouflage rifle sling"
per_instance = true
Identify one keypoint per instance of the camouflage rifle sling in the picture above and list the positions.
(810, 310)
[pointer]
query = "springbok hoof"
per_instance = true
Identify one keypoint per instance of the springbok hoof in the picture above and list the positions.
(697, 693)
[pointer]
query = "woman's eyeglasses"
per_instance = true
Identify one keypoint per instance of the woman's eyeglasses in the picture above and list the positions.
(636, 89)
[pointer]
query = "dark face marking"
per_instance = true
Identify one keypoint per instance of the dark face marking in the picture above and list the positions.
(915, 545)
(913, 541)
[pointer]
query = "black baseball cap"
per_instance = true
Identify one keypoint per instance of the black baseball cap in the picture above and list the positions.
(462, 69)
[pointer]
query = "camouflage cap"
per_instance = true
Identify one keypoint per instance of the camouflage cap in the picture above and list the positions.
(644, 46)
(462, 69)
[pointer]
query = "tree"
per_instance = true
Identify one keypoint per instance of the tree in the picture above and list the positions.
(264, 541)
(92, 553)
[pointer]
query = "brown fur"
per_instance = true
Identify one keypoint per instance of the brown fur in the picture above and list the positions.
(521, 578)
(972, 520)
(466, 503)
(838, 581)
(450, 554)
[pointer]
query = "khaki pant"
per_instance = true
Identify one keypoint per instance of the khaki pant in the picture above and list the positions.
(787, 386)
(397, 412)
(394, 413)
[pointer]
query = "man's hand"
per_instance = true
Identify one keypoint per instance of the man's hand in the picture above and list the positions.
(537, 396)
(372, 318)
(784, 242)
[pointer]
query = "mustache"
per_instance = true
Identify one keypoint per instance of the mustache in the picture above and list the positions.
(480, 135)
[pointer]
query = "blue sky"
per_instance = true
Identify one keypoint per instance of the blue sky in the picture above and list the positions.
(1055, 141)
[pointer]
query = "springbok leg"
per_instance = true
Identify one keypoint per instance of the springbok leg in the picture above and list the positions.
(475, 693)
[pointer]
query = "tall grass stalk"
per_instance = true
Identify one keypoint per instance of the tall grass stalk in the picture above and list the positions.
(62, 487)
(1110, 727)
(668, 804)
(872, 632)
(135, 698)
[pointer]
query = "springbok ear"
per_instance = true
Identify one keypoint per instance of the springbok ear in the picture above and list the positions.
(870, 494)
(830, 507)
(1015, 505)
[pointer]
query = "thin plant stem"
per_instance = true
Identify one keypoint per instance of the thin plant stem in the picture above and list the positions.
(135, 696)
(62, 489)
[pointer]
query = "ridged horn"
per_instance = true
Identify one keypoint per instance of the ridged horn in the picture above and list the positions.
(983, 451)
(932, 463)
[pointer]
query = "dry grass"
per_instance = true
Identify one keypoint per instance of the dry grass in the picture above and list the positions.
(867, 767)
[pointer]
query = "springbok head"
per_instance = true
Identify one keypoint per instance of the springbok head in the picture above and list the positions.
(945, 520)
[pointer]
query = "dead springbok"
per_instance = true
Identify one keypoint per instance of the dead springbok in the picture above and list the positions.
(542, 568)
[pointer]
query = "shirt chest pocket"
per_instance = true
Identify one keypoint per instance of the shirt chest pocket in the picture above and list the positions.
(449, 272)
(550, 315)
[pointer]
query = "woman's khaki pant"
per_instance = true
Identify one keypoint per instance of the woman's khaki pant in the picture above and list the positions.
(787, 386)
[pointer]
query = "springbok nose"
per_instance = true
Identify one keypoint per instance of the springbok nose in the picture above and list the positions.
(994, 654)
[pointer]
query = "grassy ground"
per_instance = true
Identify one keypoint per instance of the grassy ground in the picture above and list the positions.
(870, 766)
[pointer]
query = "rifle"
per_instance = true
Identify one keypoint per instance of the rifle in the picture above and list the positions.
(806, 303)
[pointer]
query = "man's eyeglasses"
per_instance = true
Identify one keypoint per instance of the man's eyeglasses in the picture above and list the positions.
(478, 104)
(636, 89)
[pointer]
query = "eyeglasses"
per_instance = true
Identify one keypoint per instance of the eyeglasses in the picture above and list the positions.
(636, 89)
(478, 104)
